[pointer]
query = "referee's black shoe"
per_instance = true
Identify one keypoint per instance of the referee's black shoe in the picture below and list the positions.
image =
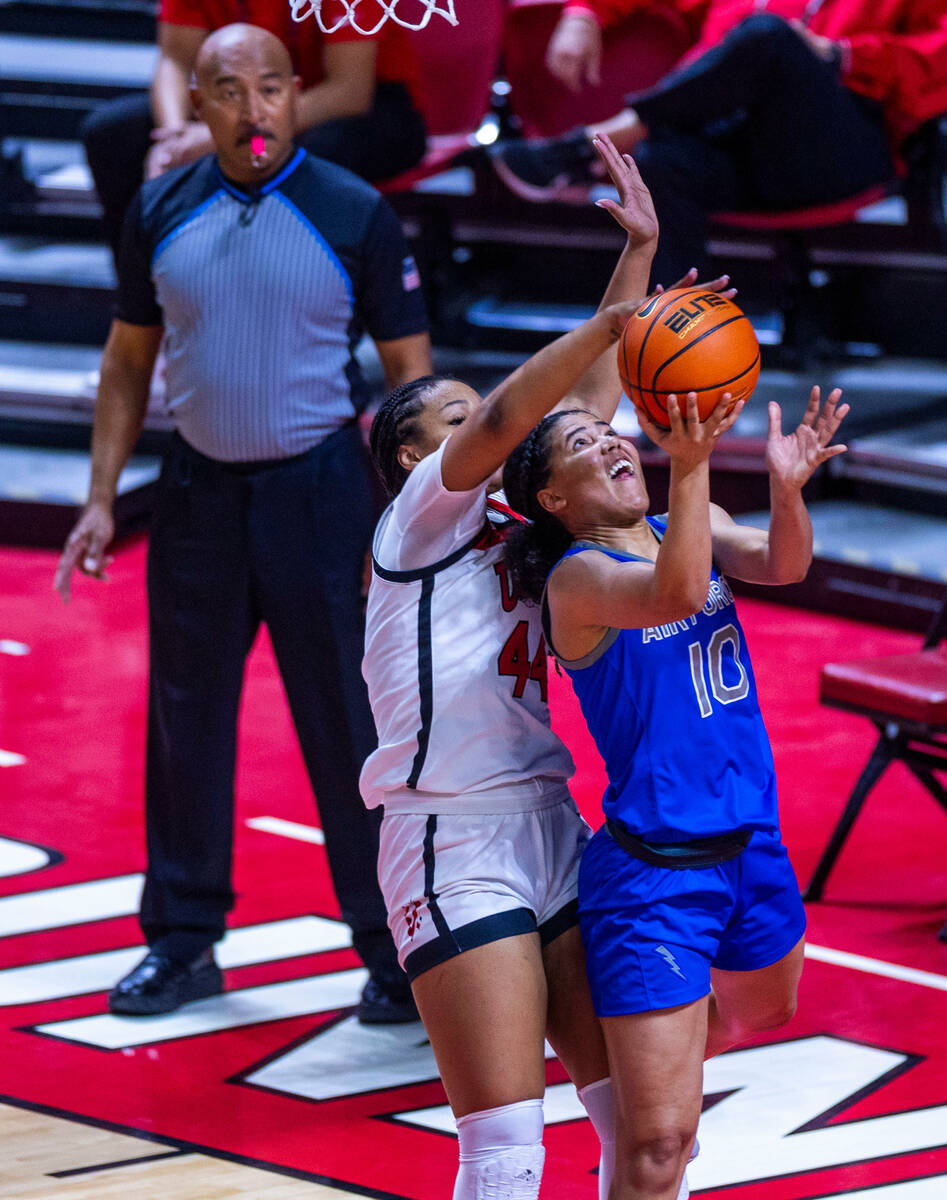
(160, 984)
(380, 1006)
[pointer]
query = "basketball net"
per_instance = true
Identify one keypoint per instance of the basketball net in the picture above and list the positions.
(303, 8)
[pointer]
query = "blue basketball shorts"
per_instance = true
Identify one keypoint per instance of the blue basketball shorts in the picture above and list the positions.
(652, 934)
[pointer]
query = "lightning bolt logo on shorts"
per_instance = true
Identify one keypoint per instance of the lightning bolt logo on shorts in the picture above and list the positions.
(670, 960)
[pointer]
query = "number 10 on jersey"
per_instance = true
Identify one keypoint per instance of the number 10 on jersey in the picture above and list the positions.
(708, 669)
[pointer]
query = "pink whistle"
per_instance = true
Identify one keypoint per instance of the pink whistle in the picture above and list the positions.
(258, 146)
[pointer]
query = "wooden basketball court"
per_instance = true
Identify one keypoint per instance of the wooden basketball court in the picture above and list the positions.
(48, 1157)
(274, 1091)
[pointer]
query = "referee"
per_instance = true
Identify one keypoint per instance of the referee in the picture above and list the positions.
(260, 267)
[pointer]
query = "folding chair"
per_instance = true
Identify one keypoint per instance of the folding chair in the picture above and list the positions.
(905, 697)
(790, 234)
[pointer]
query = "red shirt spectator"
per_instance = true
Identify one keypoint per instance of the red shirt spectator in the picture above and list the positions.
(779, 105)
(894, 51)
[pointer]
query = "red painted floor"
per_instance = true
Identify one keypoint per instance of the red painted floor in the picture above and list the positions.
(849, 1098)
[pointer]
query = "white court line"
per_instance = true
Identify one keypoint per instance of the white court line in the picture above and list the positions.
(17, 858)
(34, 983)
(73, 904)
(932, 1187)
(290, 829)
(311, 995)
(8, 758)
(876, 966)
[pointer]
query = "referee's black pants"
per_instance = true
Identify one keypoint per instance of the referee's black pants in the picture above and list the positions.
(757, 123)
(232, 546)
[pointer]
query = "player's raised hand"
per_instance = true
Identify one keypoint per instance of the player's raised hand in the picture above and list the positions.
(634, 209)
(793, 457)
(85, 548)
(721, 284)
(690, 439)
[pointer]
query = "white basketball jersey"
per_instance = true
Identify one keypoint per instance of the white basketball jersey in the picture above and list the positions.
(455, 664)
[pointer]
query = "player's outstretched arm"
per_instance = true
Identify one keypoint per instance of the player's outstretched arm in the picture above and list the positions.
(599, 390)
(784, 553)
(481, 445)
(124, 387)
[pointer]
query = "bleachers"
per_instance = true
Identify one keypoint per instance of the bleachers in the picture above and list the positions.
(862, 300)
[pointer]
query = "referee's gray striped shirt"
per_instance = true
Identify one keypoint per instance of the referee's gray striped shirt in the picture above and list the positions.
(264, 299)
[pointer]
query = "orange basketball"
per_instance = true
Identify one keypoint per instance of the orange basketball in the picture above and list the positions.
(687, 340)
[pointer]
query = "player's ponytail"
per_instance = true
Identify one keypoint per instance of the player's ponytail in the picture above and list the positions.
(533, 550)
(396, 423)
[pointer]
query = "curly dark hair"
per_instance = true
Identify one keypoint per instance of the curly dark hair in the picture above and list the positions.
(395, 423)
(533, 550)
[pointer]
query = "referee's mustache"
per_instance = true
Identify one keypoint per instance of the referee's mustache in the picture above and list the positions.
(246, 138)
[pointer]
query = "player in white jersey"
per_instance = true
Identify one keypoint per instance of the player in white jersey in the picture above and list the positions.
(459, 613)
(481, 840)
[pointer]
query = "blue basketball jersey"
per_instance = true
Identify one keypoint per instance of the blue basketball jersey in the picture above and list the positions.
(673, 710)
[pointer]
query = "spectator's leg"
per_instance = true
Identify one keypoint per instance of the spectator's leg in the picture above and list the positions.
(310, 527)
(688, 177)
(755, 65)
(117, 137)
(802, 136)
(762, 96)
(383, 143)
(201, 627)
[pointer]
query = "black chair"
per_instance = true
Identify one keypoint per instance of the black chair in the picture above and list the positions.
(792, 235)
(925, 185)
(905, 697)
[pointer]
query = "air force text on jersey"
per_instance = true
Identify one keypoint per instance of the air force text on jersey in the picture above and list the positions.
(718, 597)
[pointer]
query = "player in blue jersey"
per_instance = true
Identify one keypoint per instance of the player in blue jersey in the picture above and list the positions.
(689, 910)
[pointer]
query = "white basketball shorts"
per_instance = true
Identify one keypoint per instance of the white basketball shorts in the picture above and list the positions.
(454, 882)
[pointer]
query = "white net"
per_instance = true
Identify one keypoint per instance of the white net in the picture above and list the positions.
(381, 10)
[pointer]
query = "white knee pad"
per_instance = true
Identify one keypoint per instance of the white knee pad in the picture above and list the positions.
(501, 1153)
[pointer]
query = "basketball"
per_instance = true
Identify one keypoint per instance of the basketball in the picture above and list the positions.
(687, 340)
